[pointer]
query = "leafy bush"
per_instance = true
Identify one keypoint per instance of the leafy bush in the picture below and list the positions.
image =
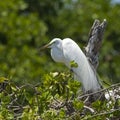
(56, 97)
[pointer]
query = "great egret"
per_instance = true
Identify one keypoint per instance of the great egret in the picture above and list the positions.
(67, 50)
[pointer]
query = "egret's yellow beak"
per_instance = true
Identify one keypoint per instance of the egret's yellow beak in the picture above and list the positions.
(45, 46)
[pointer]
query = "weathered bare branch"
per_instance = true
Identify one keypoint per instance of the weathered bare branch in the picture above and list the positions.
(104, 113)
(94, 42)
(117, 85)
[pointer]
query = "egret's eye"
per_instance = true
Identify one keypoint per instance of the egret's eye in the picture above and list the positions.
(54, 42)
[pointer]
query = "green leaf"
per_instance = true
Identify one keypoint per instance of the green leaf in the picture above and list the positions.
(78, 104)
(73, 64)
(62, 113)
(2, 79)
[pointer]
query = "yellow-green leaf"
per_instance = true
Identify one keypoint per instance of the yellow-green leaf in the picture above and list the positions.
(2, 79)
(73, 64)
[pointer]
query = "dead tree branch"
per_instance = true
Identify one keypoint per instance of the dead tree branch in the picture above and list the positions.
(94, 42)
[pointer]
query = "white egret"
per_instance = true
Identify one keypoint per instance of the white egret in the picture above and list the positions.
(67, 50)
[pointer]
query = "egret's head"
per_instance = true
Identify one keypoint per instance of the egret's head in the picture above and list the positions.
(54, 43)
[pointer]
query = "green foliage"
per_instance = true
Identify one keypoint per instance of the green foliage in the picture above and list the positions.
(78, 104)
(26, 25)
(73, 64)
(52, 99)
(2, 79)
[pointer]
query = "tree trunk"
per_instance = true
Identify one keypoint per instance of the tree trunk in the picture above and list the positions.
(95, 41)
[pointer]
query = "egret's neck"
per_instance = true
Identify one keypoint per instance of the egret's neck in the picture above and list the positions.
(57, 53)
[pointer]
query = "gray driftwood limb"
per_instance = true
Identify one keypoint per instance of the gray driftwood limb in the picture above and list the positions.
(94, 42)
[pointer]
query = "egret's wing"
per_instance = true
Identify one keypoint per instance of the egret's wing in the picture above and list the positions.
(97, 76)
(84, 71)
(71, 52)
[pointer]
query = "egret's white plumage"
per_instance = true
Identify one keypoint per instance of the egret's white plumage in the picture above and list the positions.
(67, 50)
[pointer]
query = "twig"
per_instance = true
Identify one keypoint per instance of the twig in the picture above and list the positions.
(104, 113)
(88, 108)
(102, 90)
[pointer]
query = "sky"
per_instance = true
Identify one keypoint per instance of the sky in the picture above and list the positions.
(116, 1)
